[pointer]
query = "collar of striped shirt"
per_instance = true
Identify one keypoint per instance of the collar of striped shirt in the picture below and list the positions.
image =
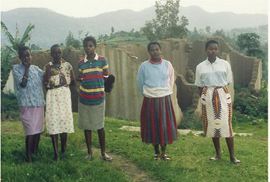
(85, 57)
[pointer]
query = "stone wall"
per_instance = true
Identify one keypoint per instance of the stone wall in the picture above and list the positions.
(246, 70)
(124, 101)
(176, 51)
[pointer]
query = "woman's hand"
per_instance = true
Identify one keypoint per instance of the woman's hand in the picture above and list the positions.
(26, 63)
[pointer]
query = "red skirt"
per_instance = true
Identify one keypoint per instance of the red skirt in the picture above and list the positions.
(158, 123)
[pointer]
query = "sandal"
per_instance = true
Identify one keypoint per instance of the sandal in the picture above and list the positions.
(107, 157)
(214, 158)
(156, 156)
(88, 157)
(165, 157)
(236, 161)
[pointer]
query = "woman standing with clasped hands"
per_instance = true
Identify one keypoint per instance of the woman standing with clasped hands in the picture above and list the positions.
(58, 76)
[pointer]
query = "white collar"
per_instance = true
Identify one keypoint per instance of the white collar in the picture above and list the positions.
(216, 61)
(95, 58)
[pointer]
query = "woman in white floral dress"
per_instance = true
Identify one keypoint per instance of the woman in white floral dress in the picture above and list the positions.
(58, 76)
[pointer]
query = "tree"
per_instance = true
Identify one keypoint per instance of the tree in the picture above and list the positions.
(5, 66)
(249, 42)
(220, 33)
(208, 29)
(196, 35)
(71, 41)
(16, 41)
(8, 52)
(167, 23)
(34, 47)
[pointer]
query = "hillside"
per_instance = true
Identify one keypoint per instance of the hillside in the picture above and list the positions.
(52, 27)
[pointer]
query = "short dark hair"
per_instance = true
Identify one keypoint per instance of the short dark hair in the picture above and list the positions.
(21, 49)
(90, 38)
(54, 46)
(207, 44)
(151, 44)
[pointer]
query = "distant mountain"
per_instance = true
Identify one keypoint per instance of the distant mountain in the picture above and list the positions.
(52, 27)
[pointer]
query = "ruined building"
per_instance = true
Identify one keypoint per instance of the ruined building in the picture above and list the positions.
(124, 101)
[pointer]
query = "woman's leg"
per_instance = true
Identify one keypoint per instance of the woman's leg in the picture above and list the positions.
(157, 152)
(63, 137)
(230, 145)
(217, 148)
(29, 146)
(55, 147)
(101, 136)
(157, 149)
(163, 149)
(163, 153)
(88, 140)
(35, 143)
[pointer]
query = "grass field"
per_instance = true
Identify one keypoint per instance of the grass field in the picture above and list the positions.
(133, 160)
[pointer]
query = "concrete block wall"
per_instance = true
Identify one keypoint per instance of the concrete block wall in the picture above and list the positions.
(124, 101)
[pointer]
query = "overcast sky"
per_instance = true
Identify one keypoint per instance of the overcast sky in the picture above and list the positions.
(89, 8)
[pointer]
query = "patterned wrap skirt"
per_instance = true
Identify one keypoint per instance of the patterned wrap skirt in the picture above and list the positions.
(158, 123)
(59, 118)
(32, 119)
(91, 117)
(216, 112)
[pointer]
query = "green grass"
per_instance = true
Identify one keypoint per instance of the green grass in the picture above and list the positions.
(189, 156)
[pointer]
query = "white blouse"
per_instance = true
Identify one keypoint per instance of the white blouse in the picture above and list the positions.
(216, 74)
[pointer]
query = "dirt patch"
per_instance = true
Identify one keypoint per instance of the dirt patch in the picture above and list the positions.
(131, 170)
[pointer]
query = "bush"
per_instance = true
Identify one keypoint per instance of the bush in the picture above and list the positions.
(9, 107)
(6, 59)
(190, 121)
(252, 104)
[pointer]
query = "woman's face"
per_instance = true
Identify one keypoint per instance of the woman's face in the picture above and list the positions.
(56, 54)
(89, 48)
(26, 57)
(155, 52)
(212, 51)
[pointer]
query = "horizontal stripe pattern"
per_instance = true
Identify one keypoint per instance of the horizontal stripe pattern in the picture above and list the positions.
(91, 90)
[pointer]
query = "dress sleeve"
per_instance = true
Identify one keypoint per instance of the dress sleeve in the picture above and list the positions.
(229, 73)
(40, 73)
(171, 74)
(17, 75)
(198, 80)
(140, 79)
(105, 69)
(46, 75)
(72, 75)
(80, 72)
